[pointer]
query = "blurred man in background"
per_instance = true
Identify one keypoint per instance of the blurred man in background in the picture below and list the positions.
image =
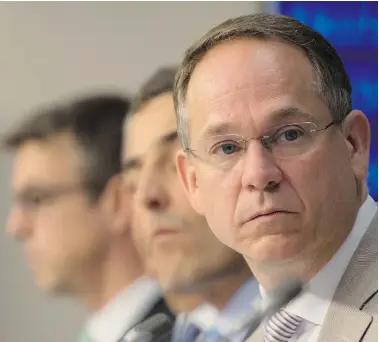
(70, 215)
(176, 244)
(277, 160)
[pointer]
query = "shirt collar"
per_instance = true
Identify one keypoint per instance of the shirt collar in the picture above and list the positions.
(238, 306)
(321, 288)
(206, 316)
(203, 316)
(125, 309)
(240, 302)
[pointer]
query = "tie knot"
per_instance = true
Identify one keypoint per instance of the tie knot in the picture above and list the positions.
(281, 326)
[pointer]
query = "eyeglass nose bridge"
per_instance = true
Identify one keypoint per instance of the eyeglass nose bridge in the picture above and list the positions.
(265, 140)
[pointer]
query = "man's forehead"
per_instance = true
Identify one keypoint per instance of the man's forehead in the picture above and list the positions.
(160, 142)
(39, 162)
(253, 64)
(149, 128)
(245, 82)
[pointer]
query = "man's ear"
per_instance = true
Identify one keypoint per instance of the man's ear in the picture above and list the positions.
(188, 178)
(116, 203)
(356, 129)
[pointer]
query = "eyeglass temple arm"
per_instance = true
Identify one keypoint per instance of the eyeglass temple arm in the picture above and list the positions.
(334, 122)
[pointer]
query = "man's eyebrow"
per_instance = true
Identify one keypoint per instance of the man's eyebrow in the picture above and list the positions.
(129, 164)
(275, 116)
(169, 137)
(216, 129)
(289, 113)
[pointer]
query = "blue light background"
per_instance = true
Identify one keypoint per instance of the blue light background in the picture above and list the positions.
(352, 28)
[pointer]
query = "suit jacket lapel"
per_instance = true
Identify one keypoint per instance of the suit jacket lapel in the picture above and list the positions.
(345, 321)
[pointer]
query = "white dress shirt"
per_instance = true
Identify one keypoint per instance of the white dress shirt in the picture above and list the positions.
(236, 310)
(207, 317)
(313, 304)
(125, 310)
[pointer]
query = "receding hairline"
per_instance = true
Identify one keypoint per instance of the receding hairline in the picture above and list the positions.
(244, 38)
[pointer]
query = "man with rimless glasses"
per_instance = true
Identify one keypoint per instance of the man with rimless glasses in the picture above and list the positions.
(285, 141)
(276, 159)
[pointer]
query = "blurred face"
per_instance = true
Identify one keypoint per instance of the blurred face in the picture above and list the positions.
(61, 231)
(178, 247)
(272, 193)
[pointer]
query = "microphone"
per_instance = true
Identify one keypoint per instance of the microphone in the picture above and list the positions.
(157, 328)
(278, 298)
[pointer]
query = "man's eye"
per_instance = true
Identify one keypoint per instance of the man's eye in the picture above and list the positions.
(226, 148)
(32, 200)
(42, 197)
(289, 134)
(36, 199)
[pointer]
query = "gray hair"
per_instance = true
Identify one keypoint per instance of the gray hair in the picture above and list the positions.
(332, 81)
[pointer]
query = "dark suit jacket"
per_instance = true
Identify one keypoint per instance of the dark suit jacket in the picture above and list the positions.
(159, 307)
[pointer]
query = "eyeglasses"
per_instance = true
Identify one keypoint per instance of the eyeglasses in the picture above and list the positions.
(36, 197)
(284, 142)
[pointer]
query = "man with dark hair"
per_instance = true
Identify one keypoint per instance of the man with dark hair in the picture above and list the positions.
(210, 284)
(72, 215)
(276, 159)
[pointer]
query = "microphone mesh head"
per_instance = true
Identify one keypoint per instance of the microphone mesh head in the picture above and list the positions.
(155, 325)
